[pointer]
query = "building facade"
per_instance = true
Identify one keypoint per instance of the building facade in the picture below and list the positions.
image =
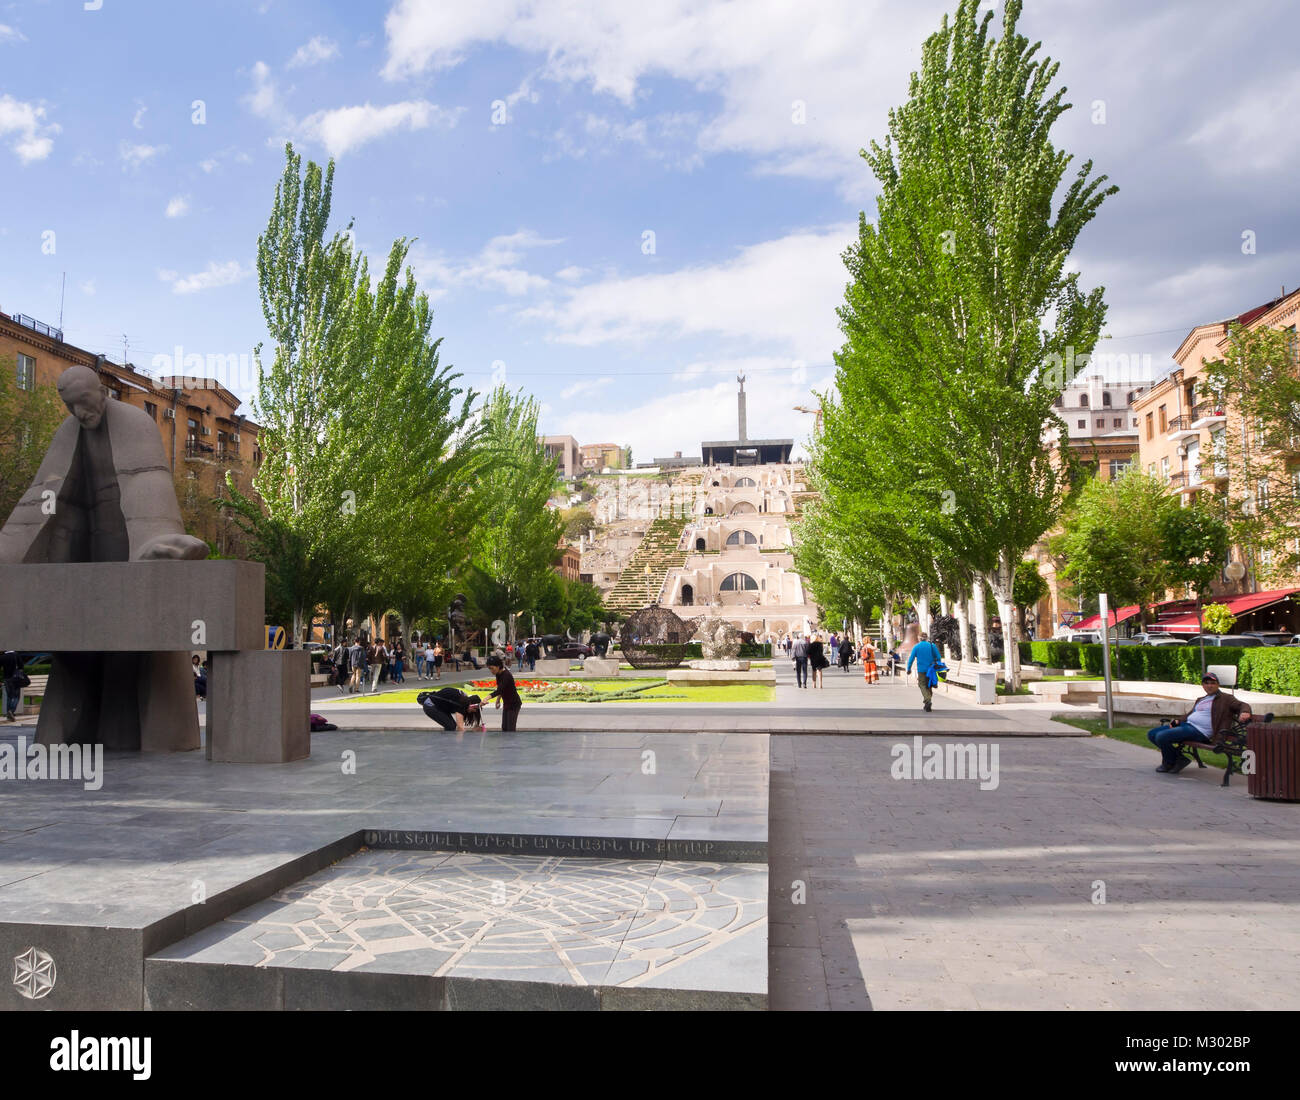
(563, 448)
(203, 434)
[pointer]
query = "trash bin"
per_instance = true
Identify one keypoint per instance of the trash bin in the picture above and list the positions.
(1276, 746)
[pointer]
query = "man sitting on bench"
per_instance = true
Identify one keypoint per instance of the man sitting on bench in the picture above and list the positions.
(1211, 715)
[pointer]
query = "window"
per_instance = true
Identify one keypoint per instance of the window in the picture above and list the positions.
(1130, 397)
(151, 409)
(1117, 468)
(1164, 469)
(1083, 423)
(745, 483)
(1083, 400)
(1295, 482)
(1059, 402)
(1105, 399)
(739, 582)
(1164, 420)
(1151, 431)
(26, 372)
(1152, 471)
(741, 538)
(1259, 431)
(1119, 422)
(1292, 345)
(1261, 493)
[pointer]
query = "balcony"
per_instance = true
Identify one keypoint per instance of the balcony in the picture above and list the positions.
(227, 452)
(1208, 413)
(1178, 482)
(196, 448)
(1216, 473)
(1181, 426)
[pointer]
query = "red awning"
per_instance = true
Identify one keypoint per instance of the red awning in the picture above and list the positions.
(1093, 622)
(1237, 605)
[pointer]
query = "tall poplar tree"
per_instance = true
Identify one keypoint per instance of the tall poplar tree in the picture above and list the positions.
(961, 315)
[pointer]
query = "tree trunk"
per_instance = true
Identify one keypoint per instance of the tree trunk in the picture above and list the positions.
(963, 624)
(943, 610)
(298, 627)
(1002, 581)
(979, 614)
(887, 624)
(923, 611)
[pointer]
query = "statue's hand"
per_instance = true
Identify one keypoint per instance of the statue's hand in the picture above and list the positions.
(176, 547)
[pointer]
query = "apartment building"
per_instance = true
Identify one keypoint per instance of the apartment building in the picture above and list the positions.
(202, 432)
(1101, 422)
(565, 449)
(1185, 428)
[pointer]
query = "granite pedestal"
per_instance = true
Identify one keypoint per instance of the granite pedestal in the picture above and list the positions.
(259, 706)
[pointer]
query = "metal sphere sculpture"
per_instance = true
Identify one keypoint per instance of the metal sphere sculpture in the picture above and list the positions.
(656, 638)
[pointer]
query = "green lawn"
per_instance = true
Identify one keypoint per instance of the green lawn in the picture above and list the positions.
(1134, 735)
(653, 689)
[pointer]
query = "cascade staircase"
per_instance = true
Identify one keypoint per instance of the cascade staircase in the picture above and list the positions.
(659, 550)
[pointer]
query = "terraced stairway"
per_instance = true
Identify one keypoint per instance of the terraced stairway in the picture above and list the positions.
(659, 550)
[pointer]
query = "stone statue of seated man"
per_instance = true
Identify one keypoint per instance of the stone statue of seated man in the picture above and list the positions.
(104, 492)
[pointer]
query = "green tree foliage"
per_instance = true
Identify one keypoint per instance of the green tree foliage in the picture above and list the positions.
(1113, 541)
(28, 421)
(1217, 618)
(514, 544)
(959, 307)
(1029, 588)
(1196, 544)
(1259, 380)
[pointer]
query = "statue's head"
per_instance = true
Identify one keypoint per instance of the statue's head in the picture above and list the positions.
(85, 397)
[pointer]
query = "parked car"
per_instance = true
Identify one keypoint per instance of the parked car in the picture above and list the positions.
(1087, 637)
(316, 647)
(1239, 641)
(1295, 640)
(1147, 638)
(571, 650)
(1269, 637)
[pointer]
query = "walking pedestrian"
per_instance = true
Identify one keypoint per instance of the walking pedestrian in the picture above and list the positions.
(356, 665)
(532, 653)
(519, 656)
(817, 660)
(928, 659)
(800, 653)
(870, 673)
(506, 694)
(11, 677)
(846, 653)
(438, 656)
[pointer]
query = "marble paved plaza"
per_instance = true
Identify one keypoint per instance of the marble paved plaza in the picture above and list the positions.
(572, 921)
(935, 894)
(171, 843)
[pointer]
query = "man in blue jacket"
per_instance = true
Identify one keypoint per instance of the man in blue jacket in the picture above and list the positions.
(926, 655)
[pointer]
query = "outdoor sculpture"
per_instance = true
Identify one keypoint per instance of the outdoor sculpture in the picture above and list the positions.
(104, 493)
(600, 643)
(719, 640)
(654, 637)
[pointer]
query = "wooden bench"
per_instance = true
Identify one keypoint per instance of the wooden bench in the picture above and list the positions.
(34, 690)
(1231, 744)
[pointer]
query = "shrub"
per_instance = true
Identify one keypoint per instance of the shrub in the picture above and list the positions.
(1217, 618)
(1270, 668)
(1054, 654)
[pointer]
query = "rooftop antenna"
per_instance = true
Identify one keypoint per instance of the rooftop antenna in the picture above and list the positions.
(126, 344)
(62, 293)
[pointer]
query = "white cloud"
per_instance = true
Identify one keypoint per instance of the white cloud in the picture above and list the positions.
(208, 165)
(495, 268)
(571, 273)
(313, 52)
(264, 99)
(134, 156)
(137, 120)
(343, 129)
(178, 207)
(780, 293)
(738, 50)
(87, 288)
(592, 385)
(214, 275)
(11, 34)
(33, 136)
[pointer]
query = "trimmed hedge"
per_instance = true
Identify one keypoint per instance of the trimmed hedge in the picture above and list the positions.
(1274, 669)
(695, 651)
(1271, 668)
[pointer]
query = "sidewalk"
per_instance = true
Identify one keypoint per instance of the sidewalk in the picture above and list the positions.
(845, 705)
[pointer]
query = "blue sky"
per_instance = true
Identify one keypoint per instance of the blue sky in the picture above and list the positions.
(680, 119)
